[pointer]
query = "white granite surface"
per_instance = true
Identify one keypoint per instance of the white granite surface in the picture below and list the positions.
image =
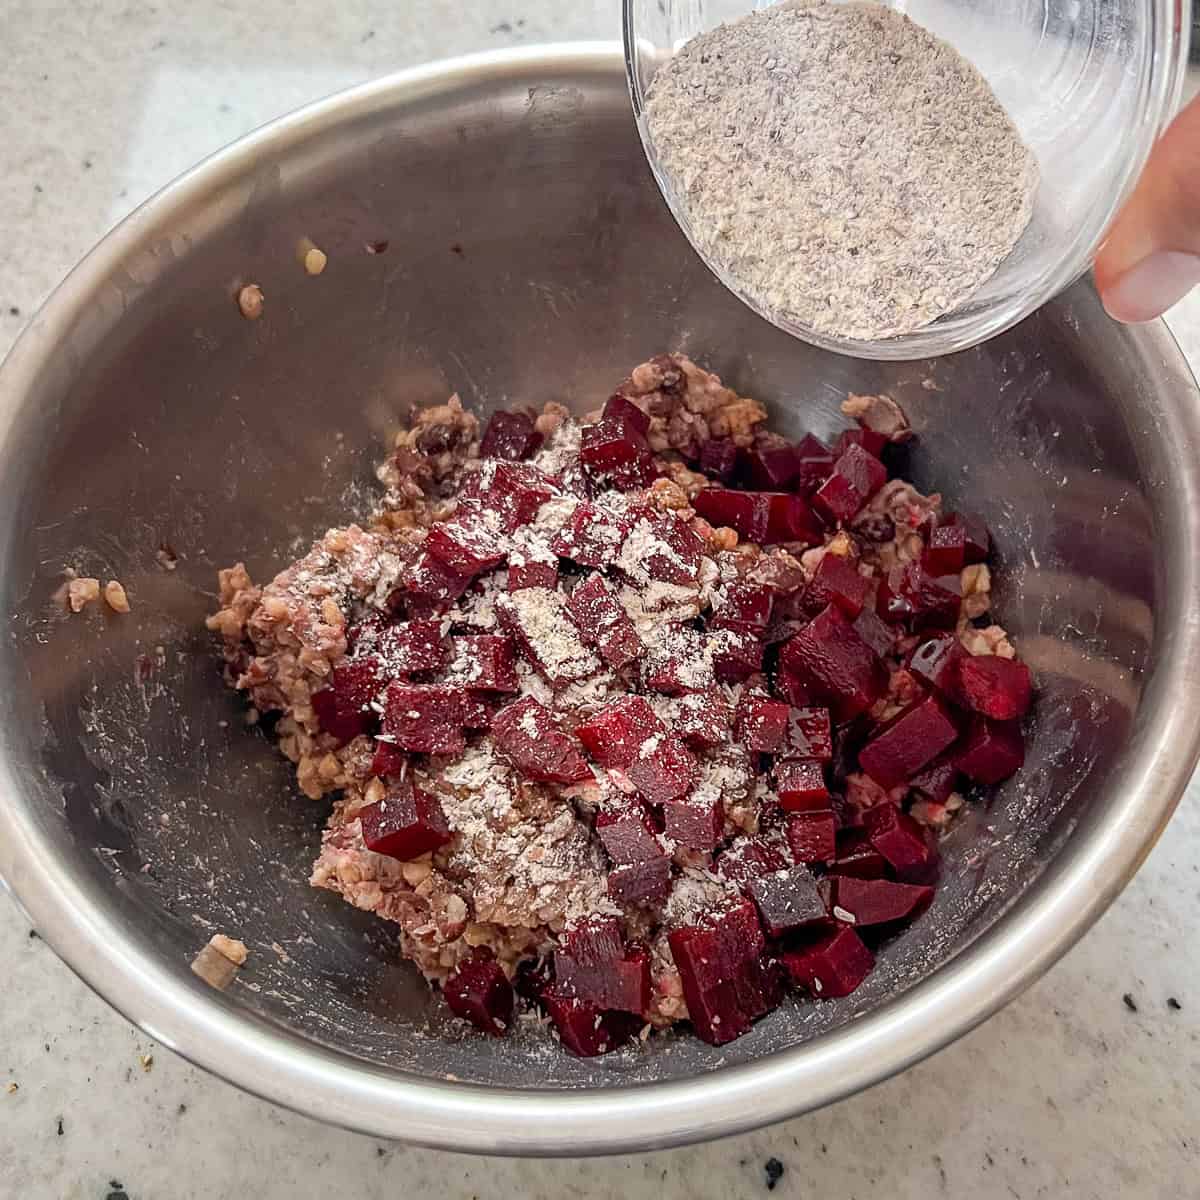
(1087, 1086)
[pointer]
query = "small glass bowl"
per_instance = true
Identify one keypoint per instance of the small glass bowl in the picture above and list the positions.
(1090, 85)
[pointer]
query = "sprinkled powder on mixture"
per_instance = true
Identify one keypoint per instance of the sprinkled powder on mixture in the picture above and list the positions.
(850, 170)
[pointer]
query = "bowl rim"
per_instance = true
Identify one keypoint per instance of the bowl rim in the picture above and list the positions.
(208, 1029)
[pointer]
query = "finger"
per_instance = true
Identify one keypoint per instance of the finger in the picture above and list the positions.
(1151, 257)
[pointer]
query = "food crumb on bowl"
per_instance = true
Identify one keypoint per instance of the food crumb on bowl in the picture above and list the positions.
(312, 258)
(115, 596)
(219, 960)
(250, 301)
(81, 591)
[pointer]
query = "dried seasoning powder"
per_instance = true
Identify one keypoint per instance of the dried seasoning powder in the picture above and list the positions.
(848, 169)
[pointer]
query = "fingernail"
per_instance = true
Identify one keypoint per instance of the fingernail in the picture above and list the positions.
(1148, 289)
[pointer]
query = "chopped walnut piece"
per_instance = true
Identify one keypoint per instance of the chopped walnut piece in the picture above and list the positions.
(81, 592)
(881, 414)
(250, 301)
(231, 948)
(976, 588)
(312, 258)
(115, 596)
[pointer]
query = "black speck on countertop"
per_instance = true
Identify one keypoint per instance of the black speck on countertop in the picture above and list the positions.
(773, 1169)
(1173, 1003)
(1129, 1002)
(60, 1127)
(87, 164)
(181, 1109)
(14, 311)
(33, 933)
(503, 27)
(116, 1191)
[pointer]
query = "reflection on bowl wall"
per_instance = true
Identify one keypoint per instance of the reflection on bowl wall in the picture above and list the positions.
(529, 258)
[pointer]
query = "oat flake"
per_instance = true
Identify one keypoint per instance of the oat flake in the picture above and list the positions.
(850, 170)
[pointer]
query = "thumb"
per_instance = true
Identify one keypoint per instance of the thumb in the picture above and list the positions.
(1151, 258)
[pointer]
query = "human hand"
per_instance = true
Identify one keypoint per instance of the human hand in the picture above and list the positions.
(1152, 256)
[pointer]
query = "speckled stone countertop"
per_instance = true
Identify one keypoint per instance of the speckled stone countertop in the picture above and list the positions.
(1087, 1086)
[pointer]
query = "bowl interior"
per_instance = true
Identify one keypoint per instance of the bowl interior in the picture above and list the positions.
(529, 258)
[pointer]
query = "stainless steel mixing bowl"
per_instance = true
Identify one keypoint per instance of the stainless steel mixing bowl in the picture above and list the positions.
(529, 257)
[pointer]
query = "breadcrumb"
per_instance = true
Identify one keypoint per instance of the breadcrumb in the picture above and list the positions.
(115, 596)
(81, 592)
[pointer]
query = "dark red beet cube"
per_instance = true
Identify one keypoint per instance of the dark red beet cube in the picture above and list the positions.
(584, 1029)
(760, 723)
(593, 964)
(697, 821)
(479, 709)
(405, 824)
(424, 718)
(735, 655)
(466, 544)
(814, 464)
(809, 734)
(664, 771)
(856, 856)
(428, 586)
(1000, 688)
(855, 478)
(830, 657)
(750, 858)
(742, 606)
(620, 408)
(510, 435)
(772, 468)
(937, 663)
(907, 742)
(900, 840)
(978, 544)
(642, 884)
(668, 549)
(410, 646)
(613, 450)
(719, 459)
(832, 966)
(790, 519)
(837, 581)
(788, 900)
(872, 442)
(748, 513)
(796, 692)
(617, 734)
(603, 622)
(344, 707)
(527, 572)
(702, 718)
(362, 635)
(478, 991)
(812, 836)
(800, 785)
(991, 751)
(513, 491)
(911, 594)
(485, 663)
(593, 535)
(937, 781)
(878, 901)
(528, 736)
(946, 550)
(627, 833)
(537, 619)
(875, 632)
(388, 760)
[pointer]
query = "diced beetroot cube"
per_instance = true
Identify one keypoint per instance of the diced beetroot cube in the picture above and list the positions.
(907, 742)
(800, 785)
(748, 513)
(743, 606)
(991, 751)
(878, 635)
(832, 966)
(510, 435)
(621, 408)
(603, 622)
(613, 450)
(735, 655)
(937, 781)
(362, 634)
(410, 646)
(484, 663)
(937, 663)
(911, 594)
(478, 991)
(856, 856)
(514, 491)
(593, 535)
(528, 736)
(531, 573)
(809, 734)
(665, 548)
(879, 901)
(790, 519)
(837, 581)
(750, 858)
(1000, 688)
(796, 692)
(812, 836)
(872, 442)
(814, 464)
(584, 1029)
(663, 771)
(761, 724)
(788, 900)
(537, 619)
(828, 655)
(978, 543)
(388, 760)
(900, 840)
(772, 468)
(627, 833)
(479, 709)
(405, 824)
(343, 709)
(726, 983)
(465, 544)
(642, 884)
(855, 478)
(719, 459)
(428, 586)
(702, 718)
(617, 734)
(945, 552)
(697, 821)
(594, 965)
(424, 718)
